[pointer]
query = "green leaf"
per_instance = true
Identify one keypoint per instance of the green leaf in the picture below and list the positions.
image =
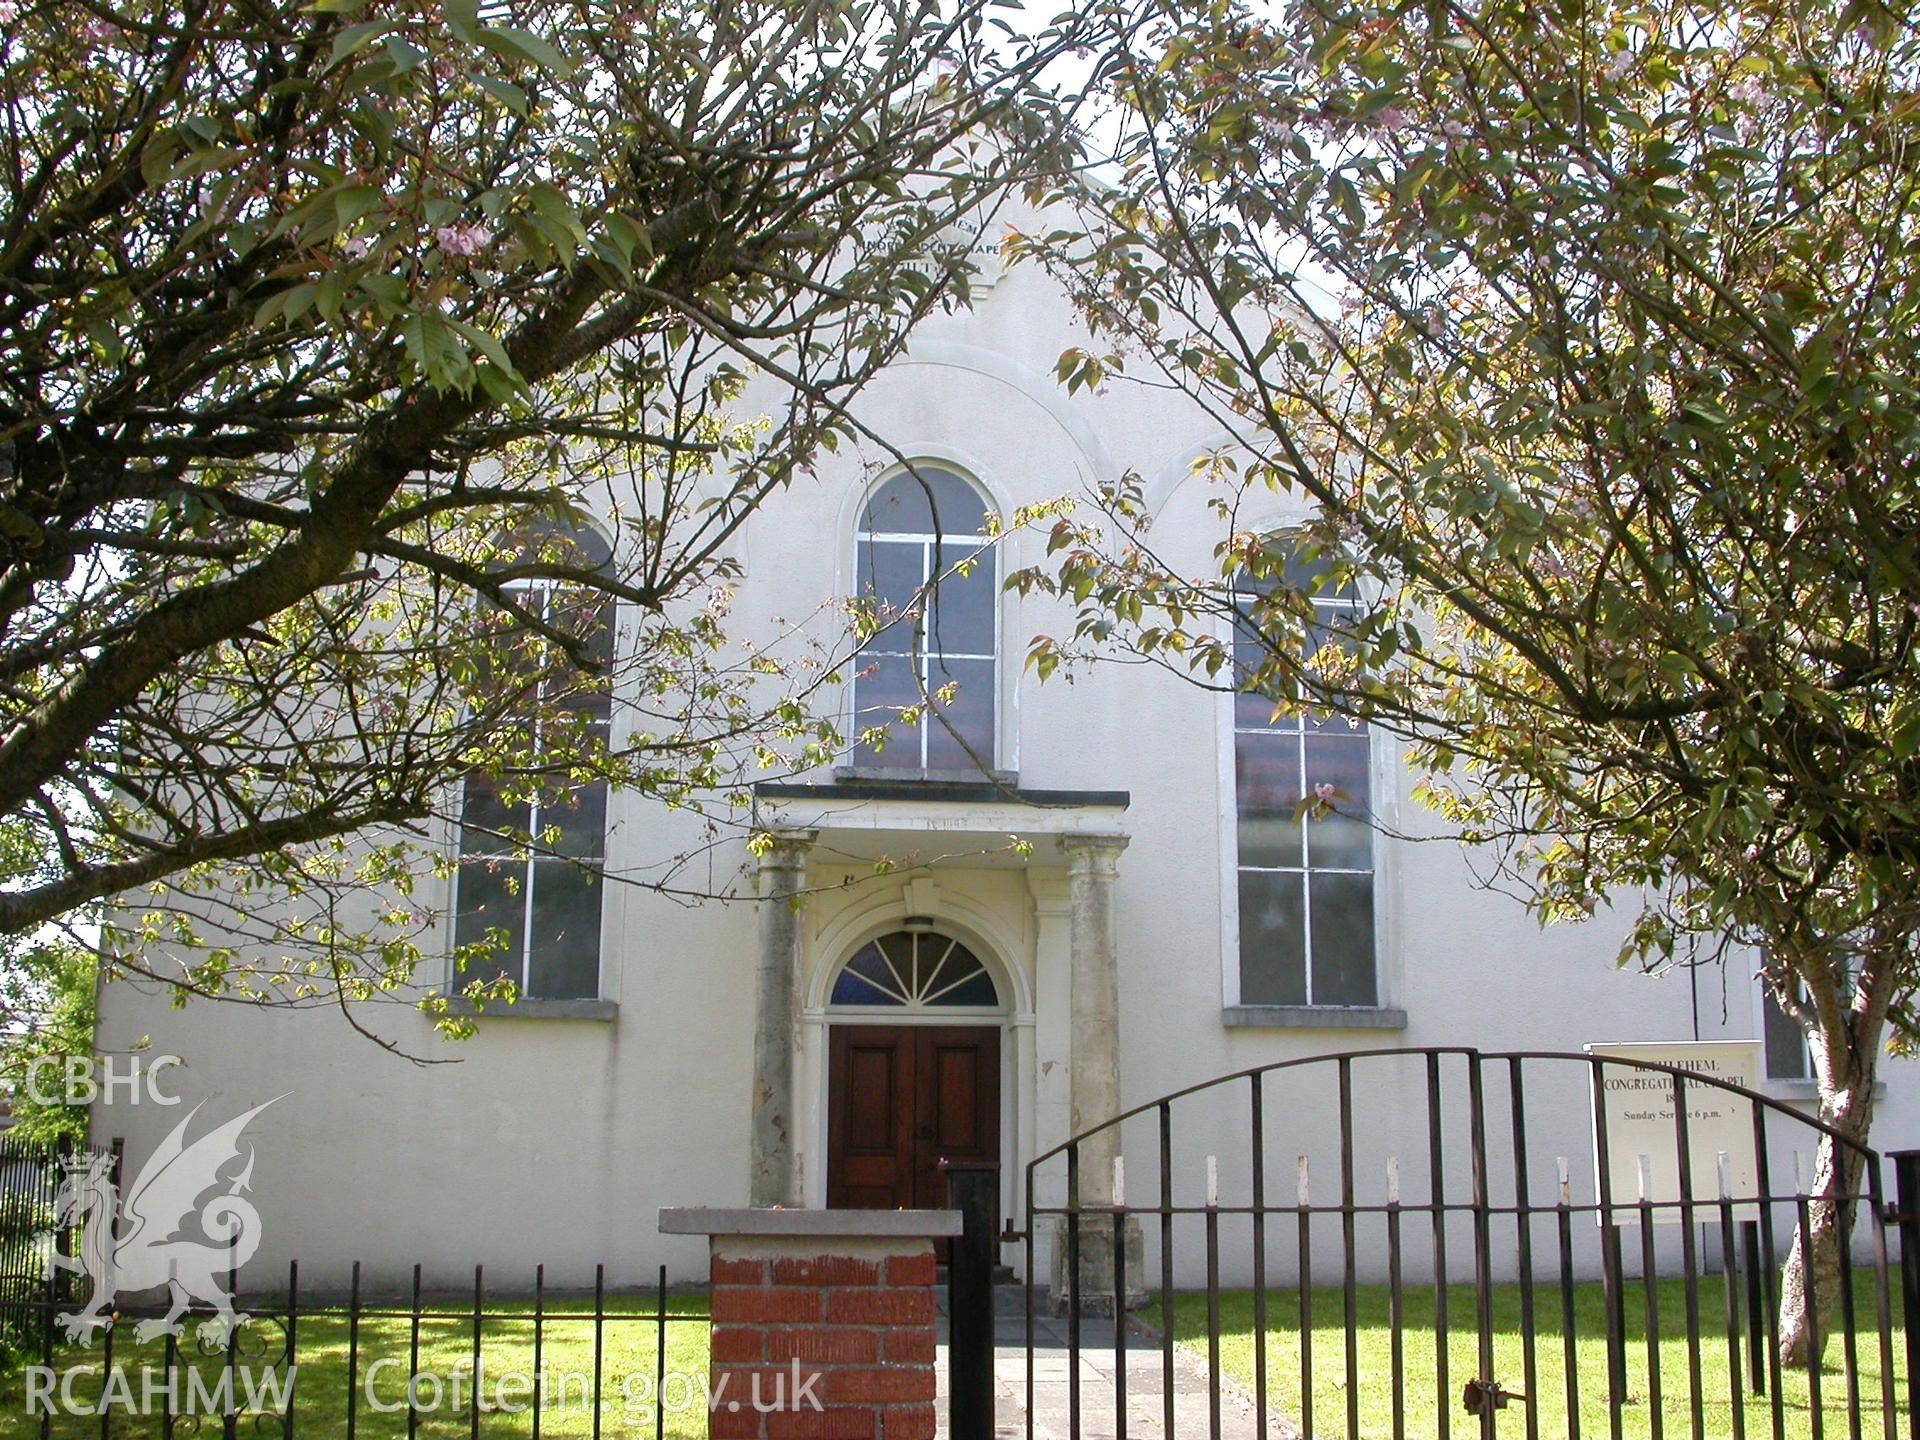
(508, 94)
(327, 298)
(434, 347)
(514, 44)
(405, 55)
(289, 305)
(463, 17)
(1906, 734)
(351, 202)
(355, 38)
(387, 291)
(496, 353)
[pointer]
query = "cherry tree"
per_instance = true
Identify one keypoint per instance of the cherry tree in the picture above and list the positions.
(1585, 334)
(325, 328)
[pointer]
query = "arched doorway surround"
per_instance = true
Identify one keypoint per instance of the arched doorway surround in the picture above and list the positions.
(916, 1052)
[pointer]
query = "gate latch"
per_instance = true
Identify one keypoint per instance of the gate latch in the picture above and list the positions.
(1481, 1396)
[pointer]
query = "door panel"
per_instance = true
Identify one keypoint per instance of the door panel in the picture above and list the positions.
(957, 1113)
(902, 1098)
(870, 1118)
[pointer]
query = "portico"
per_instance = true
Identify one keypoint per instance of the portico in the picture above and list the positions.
(900, 886)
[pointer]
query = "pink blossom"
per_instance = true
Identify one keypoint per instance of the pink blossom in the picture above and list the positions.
(1453, 129)
(1622, 63)
(463, 239)
(1326, 793)
(9, 12)
(1749, 91)
(1391, 119)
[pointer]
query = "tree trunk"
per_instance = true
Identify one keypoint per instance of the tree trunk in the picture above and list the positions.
(1844, 1025)
(1836, 1173)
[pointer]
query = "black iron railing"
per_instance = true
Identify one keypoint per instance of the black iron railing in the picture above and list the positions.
(31, 1172)
(298, 1363)
(1495, 1208)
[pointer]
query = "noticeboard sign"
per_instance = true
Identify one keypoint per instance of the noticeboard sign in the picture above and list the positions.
(1642, 1129)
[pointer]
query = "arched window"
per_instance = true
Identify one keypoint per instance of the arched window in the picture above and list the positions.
(915, 970)
(1305, 839)
(531, 857)
(939, 636)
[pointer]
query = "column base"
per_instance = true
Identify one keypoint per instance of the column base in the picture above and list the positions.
(1096, 1267)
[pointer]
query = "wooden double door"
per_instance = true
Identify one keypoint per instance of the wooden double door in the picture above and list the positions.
(902, 1098)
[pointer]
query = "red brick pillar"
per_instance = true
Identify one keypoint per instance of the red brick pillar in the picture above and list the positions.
(822, 1321)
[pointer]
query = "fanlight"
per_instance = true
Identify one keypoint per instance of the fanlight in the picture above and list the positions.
(915, 969)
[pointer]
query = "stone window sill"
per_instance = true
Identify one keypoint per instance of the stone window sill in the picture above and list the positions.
(1795, 1091)
(1311, 1017)
(870, 773)
(529, 1008)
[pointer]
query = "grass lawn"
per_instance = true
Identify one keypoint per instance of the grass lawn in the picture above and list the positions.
(1550, 1388)
(446, 1346)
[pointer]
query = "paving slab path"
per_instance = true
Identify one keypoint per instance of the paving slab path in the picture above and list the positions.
(1099, 1413)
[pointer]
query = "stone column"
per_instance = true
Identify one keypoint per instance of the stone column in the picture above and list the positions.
(773, 1178)
(1092, 866)
(1052, 1017)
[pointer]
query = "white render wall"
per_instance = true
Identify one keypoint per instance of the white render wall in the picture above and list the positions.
(556, 1141)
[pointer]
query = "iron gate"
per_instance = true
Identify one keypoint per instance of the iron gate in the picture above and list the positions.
(1487, 1267)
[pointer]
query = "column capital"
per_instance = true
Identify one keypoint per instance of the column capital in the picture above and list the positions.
(787, 850)
(1093, 854)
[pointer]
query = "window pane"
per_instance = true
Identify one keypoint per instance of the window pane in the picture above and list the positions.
(1343, 940)
(485, 817)
(1267, 781)
(1310, 575)
(908, 504)
(960, 980)
(589, 615)
(580, 546)
(1327, 640)
(1272, 939)
(853, 989)
(931, 953)
(1786, 1044)
(565, 959)
(1253, 711)
(572, 714)
(579, 813)
(482, 902)
(867, 980)
(970, 711)
(963, 604)
(1260, 712)
(883, 686)
(1331, 724)
(1342, 840)
(891, 574)
(977, 990)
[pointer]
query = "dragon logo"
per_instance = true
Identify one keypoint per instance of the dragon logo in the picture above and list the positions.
(138, 1243)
